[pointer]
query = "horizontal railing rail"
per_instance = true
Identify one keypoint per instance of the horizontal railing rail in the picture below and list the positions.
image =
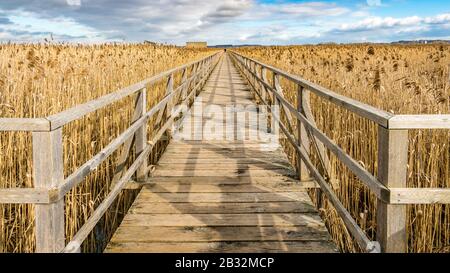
(390, 185)
(50, 184)
(381, 117)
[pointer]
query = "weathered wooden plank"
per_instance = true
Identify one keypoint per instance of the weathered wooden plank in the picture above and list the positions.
(48, 173)
(221, 208)
(420, 196)
(239, 172)
(221, 180)
(240, 197)
(225, 94)
(200, 210)
(24, 196)
(210, 219)
(228, 188)
(302, 136)
(231, 153)
(141, 135)
(419, 122)
(392, 171)
(220, 234)
(225, 247)
(201, 145)
(224, 166)
(24, 124)
(214, 159)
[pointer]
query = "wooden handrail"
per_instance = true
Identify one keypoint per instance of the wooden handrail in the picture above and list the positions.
(407, 122)
(376, 115)
(24, 124)
(81, 110)
(381, 117)
(58, 120)
(390, 186)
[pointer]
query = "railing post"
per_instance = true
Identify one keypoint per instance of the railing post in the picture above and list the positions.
(184, 81)
(169, 90)
(268, 101)
(203, 71)
(392, 170)
(193, 72)
(302, 135)
(252, 69)
(48, 173)
(141, 135)
(257, 83)
(264, 79)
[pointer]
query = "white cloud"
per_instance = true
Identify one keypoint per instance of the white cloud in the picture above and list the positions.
(218, 22)
(374, 23)
(73, 2)
(374, 3)
(310, 9)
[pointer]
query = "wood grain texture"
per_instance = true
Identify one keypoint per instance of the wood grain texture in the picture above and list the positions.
(420, 196)
(24, 124)
(24, 196)
(392, 171)
(224, 247)
(48, 173)
(221, 208)
(222, 195)
(419, 122)
(221, 233)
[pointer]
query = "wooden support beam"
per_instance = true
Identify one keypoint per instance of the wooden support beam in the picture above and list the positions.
(419, 196)
(166, 110)
(302, 135)
(24, 196)
(48, 173)
(24, 124)
(419, 122)
(392, 169)
(124, 153)
(184, 81)
(277, 88)
(141, 136)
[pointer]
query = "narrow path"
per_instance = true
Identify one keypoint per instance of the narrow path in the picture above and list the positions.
(223, 185)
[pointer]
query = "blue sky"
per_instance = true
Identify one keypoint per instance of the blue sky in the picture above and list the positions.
(268, 22)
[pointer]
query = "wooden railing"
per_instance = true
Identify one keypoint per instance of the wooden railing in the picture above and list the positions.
(390, 185)
(50, 186)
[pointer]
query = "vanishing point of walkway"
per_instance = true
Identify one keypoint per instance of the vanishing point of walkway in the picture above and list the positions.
(213, 195)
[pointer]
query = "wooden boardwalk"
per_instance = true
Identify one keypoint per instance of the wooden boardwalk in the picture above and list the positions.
(216, 191)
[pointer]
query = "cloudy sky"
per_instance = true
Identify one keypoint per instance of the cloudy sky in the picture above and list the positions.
(224, 21)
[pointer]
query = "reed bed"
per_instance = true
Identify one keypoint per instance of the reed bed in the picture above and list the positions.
(413, 79)
(37, 80)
